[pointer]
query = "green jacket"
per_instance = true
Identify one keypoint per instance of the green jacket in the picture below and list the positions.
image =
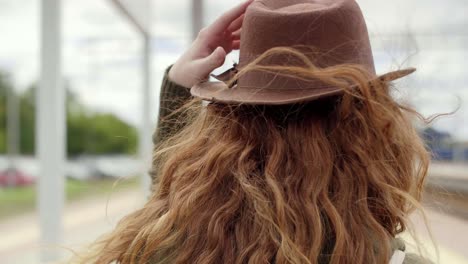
(173, 96)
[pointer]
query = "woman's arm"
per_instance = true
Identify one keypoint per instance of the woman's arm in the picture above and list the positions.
(206, 53)
(172, 97)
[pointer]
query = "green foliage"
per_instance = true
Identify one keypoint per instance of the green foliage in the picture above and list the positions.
(2, 141)
(99, 134)
(5, 87)
(27, 121)
(87, 132)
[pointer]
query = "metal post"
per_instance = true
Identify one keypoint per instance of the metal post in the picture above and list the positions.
(146, 128)
(145, 144)
(50, 132)
(197, 17)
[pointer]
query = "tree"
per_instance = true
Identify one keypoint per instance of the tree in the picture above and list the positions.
(87, 132)
(27, 121)
(100, 134)
(5, 88)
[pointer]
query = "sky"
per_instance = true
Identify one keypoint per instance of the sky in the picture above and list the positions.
(102, 51)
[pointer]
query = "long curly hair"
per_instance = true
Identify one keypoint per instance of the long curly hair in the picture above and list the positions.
(329, 181)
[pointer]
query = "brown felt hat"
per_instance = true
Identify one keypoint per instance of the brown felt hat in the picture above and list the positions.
(334, 29)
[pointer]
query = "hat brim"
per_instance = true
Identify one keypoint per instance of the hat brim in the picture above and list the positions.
(220, 92)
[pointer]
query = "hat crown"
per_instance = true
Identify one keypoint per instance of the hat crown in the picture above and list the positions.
(294, 6)
(328, 32)
(335, 29)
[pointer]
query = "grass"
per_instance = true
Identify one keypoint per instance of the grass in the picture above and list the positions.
(14, 201)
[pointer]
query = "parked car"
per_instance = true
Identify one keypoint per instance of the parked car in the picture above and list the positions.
(15, 178)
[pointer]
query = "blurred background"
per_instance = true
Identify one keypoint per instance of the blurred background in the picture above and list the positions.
(79, 87)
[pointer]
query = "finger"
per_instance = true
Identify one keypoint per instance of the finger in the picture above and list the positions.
(223, 22)
(216, 59)
(236, 34)
(235, 38)
(236, 24)
(235, 45)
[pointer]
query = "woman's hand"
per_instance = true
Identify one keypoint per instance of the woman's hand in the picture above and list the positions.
(209, 50)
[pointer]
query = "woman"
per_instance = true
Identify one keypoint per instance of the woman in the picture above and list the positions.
(301, 155)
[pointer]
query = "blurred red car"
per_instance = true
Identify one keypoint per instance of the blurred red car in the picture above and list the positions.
(14, 178)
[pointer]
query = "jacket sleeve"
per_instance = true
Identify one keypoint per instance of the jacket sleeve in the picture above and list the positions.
(412, 258)
(172, 97)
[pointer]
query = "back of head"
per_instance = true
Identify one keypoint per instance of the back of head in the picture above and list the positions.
(329, 181)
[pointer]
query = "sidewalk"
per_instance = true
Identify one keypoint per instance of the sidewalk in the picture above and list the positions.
(85, 220)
